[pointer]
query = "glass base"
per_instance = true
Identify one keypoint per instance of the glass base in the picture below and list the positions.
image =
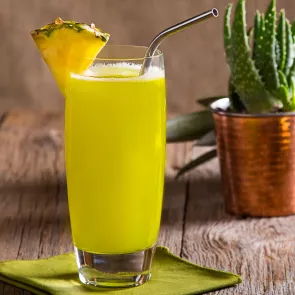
(114, 270)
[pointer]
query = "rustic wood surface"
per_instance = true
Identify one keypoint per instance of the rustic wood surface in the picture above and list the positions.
(34, 220)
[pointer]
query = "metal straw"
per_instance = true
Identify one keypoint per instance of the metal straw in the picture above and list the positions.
(170, 31)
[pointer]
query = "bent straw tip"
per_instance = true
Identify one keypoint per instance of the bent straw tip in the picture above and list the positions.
(215, 12)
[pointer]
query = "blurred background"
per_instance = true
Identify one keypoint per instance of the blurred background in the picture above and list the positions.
(194, 59)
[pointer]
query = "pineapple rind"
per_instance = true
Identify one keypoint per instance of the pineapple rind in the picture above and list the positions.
(48, 29)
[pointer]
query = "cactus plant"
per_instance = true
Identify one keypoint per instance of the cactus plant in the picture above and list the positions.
(262, 73)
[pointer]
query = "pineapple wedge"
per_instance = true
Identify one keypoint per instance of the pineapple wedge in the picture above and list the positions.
(64, 46)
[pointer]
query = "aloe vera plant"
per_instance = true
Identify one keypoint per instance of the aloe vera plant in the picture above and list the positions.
(262, 74)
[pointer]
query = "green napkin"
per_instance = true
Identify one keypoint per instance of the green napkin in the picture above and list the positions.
(171, 275)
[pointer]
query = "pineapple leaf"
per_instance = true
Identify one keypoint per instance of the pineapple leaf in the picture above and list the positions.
(246, 79)
(200, 160)
(189, 126)
(227, 33)
(268, 56)
(209, 139)
(206, 102)
(281, 39)
(257, 23)
(289, 49)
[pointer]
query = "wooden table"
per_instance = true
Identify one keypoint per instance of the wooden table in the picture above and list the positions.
(34, 219)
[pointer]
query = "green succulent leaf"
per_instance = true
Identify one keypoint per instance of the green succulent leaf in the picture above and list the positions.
(208, 139)
(293, 31)
(206, 102)
(227, 33)
(283, 79)
(257, 23)
(262, 24)
(283, 93)
(258, 50)
(292, 84)
(200, 160)
(268, 54)
(278, 53)
(281, 40)
(289, 49)
(235, 102)
(292, 72)
(246, 79)
(250, 36)
(189, 126)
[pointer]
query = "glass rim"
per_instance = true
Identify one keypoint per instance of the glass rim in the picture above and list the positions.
(157, 54)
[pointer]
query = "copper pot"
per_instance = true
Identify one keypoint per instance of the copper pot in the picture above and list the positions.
(257, 160)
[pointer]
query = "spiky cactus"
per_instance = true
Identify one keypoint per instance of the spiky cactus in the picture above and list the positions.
(262, 76)
(262, 73)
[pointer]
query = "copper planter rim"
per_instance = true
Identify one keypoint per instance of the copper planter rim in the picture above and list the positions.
(256, 153)
(219, 106)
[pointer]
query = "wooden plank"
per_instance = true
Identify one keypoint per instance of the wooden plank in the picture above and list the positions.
(34, 219)
(260, 249)
(172, 223)
(10, 290)
(26, 118)
(171, 232)
(32, 189)
(6, 289)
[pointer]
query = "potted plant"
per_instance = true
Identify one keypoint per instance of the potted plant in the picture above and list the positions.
(255, 124)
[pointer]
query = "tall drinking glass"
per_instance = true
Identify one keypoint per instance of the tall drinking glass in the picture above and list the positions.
(115, 130)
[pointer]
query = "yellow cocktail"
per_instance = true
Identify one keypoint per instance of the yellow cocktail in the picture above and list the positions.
(115, 149)
(115, 153)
